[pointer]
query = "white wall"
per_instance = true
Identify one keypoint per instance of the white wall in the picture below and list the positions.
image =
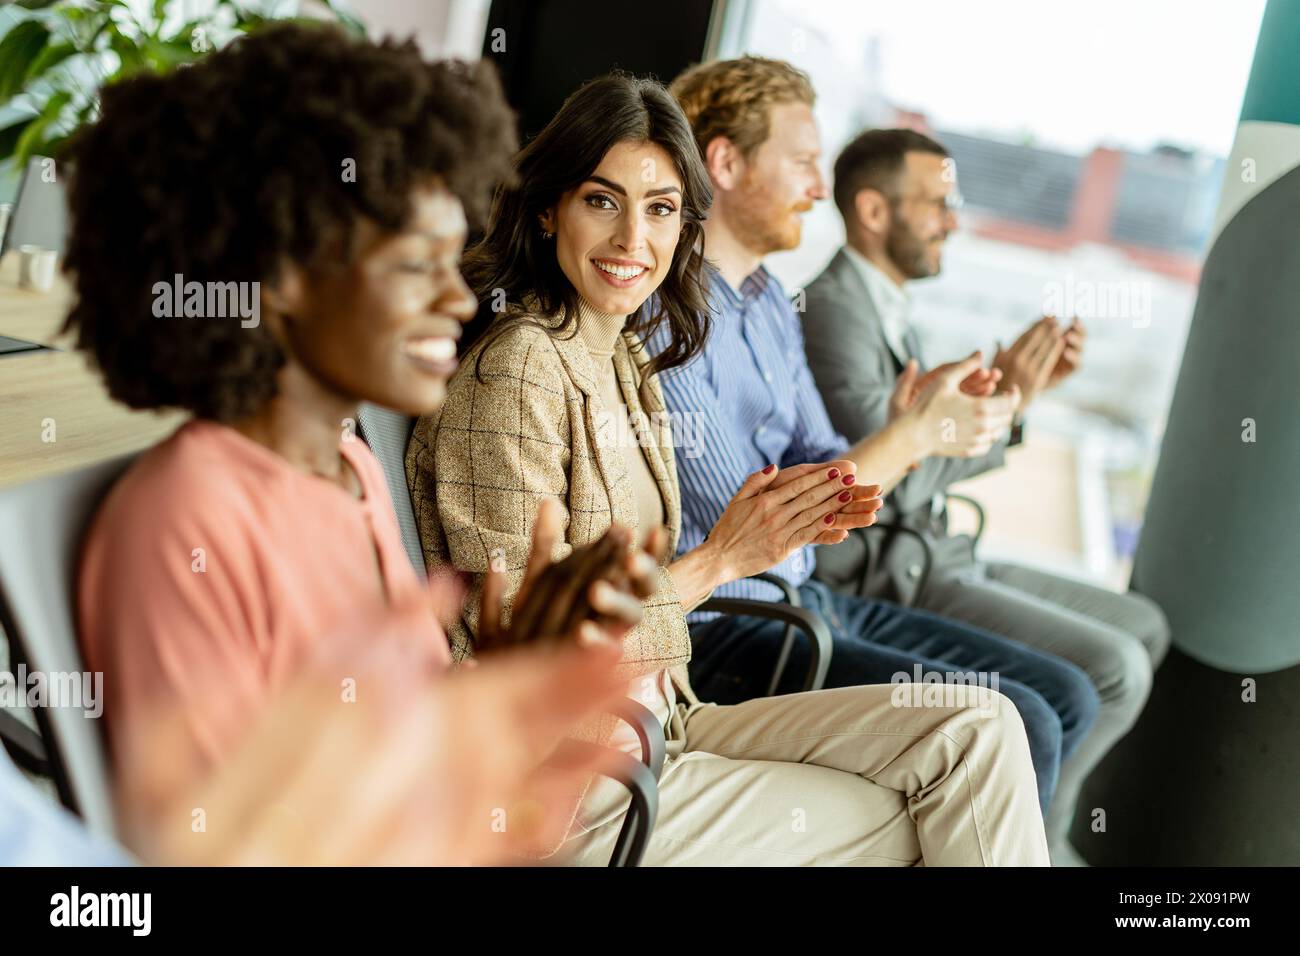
(442, 28)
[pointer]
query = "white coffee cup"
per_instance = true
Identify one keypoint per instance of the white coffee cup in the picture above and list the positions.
(36, 268)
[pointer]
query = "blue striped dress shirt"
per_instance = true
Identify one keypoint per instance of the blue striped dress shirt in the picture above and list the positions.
(746, 402)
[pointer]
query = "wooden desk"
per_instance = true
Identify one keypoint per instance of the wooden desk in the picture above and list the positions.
(59, 386)
(24, 314)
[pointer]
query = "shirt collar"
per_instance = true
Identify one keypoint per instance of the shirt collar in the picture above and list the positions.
(752, 287)
(889, 297)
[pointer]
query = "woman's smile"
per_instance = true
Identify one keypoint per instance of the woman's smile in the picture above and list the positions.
(620, 273)
(435, 352)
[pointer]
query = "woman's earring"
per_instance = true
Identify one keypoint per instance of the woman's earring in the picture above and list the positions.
(547, 235)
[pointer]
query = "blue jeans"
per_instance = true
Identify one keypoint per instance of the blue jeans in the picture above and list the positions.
(734, 658)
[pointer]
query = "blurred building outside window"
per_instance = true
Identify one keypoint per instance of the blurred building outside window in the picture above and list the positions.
(1089, 142)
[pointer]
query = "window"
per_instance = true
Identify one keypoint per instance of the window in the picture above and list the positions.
(1089, 142)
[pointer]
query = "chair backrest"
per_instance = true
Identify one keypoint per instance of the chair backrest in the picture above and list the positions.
(387, 432)
(42, 524)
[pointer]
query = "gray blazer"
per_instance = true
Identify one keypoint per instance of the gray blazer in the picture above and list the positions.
(856, 370)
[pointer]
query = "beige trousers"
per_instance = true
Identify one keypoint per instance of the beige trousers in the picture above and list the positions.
(840, 777)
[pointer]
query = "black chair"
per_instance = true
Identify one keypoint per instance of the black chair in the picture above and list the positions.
(978, 509)
(796, 618)
(24, 745)
(925, 538)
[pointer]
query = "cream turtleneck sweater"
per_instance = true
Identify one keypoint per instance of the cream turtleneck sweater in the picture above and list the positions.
(600, 332)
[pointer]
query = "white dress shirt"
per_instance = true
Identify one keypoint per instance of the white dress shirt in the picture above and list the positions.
(892, 303)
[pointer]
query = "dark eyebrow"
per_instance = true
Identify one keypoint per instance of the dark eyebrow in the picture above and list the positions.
(623, 192)
(607, 184)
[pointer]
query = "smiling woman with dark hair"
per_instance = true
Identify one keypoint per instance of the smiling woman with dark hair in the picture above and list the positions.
(328, 178)
(516, 261)
(597, 244)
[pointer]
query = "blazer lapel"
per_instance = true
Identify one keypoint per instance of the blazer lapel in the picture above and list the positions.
(859, 300)
(603, 429)
(576, 361)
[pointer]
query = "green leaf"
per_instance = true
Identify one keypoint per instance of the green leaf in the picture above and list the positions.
(49, 58)
(165, 54)
(55, 147)
(86, 111)
(244, 17)
(253, 24)
(19, 49)
(35, 4)
(346, 17)
(100, 27)
(31, 140)
(10, 135)
(185, 36)
(132, 57)
(85, 24)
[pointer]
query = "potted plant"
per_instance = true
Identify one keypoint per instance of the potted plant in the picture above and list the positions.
(55, 60)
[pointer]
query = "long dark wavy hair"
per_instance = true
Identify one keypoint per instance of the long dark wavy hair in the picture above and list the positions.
(513, 258)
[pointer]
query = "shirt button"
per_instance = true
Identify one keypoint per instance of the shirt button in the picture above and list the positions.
(760, 431)
(767, 377)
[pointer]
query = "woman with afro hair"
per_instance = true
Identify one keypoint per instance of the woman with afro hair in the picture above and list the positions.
(267, 239)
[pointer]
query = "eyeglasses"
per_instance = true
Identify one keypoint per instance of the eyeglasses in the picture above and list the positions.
(950, 203)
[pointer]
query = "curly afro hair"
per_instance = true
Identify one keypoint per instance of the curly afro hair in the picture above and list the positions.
(224, 170)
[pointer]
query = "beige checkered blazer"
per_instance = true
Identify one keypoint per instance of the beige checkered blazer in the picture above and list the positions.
(526, 424)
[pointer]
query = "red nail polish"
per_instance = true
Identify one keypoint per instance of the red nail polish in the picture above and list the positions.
(845, 495)
(768, 469)
(833, 474)
(849, 479)
(829, 519)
